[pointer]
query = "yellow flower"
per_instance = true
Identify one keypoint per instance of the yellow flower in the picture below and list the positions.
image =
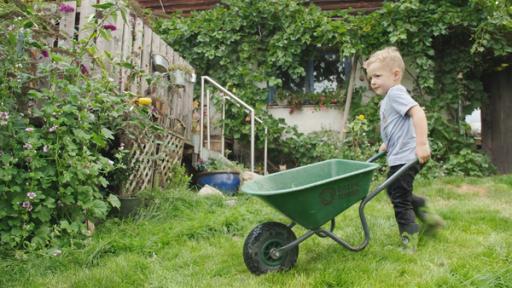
(361, 117)
(144, 101)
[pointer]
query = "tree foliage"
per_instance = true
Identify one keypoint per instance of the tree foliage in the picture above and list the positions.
(448, 45)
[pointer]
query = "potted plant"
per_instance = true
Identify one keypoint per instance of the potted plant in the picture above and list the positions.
(221, 174)
(118, 177)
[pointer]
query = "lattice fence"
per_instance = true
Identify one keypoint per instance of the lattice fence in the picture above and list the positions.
(151, 161)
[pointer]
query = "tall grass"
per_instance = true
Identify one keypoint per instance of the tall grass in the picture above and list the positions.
(188, 241)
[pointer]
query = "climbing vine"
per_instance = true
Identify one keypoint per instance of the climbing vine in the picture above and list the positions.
(448, 45)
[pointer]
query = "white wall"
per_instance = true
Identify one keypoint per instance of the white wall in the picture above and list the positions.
(310, 118)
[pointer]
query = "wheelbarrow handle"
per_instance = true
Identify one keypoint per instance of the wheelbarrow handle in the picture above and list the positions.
(369, 197)
(390, 180)
(376, 156)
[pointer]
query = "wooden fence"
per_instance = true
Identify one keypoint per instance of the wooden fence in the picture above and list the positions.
(134, 42)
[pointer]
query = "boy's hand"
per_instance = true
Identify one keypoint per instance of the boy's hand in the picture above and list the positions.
(423, 153)
(383, 147)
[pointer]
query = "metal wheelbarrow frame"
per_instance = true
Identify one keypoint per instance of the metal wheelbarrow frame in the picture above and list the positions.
(310, 196)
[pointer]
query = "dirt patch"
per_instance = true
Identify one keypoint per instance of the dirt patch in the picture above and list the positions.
(471, 189)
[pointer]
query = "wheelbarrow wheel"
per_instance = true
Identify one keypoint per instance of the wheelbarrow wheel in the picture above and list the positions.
(262, 239)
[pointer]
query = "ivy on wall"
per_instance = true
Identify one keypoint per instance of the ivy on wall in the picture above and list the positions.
(449, 44)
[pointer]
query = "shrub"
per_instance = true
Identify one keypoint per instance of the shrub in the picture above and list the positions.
(58, 123)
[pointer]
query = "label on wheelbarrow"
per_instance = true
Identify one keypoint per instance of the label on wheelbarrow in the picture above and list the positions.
(329, 195)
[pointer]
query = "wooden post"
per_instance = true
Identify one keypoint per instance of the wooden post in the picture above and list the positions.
(126, 50)
(137, 53)
(67, 26)
(350, 90)
(146, 57)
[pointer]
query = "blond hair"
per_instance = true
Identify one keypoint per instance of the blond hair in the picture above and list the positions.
(389, 56)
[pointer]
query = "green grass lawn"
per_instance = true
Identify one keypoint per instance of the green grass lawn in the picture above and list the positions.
(197, 242)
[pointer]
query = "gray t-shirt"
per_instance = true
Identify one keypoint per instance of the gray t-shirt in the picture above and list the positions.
(396, 127)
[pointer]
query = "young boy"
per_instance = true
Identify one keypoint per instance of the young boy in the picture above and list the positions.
(404, 133)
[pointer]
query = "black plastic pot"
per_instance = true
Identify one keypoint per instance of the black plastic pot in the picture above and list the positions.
(129, 206)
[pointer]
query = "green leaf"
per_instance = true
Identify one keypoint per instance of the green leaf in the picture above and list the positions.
(114, 201)
(42, 213)
(103, 6)
(28, 24)
(97, 208)
(107, 133)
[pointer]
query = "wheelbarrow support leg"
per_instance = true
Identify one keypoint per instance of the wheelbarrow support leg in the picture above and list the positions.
(367, 199)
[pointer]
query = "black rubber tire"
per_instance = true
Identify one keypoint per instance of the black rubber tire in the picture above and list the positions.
(259, 242)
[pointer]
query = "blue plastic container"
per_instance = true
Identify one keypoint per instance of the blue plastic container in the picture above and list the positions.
(227, 182)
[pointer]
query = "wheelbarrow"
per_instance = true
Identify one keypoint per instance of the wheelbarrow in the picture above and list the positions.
(310, 196)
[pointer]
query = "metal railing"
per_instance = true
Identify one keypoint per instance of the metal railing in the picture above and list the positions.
(237, 101)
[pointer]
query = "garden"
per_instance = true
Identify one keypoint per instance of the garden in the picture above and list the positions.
(66, 125)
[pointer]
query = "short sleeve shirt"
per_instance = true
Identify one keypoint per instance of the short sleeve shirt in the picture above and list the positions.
(396, 127)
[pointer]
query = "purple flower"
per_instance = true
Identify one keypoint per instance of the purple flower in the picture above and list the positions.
(27, 205)
(29, 129)
(45, 53)
(27, 146)
(65, 8)
(31, 195)
(109, 26)
(45, 148)
(84, 69)
(52, 129)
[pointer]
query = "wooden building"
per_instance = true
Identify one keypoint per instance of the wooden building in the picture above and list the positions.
(188, 6)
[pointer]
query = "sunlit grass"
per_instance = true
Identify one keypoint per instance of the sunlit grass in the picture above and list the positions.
(197, 242)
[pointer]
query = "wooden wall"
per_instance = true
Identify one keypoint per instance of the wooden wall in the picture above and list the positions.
(151, 157)
(135, 42)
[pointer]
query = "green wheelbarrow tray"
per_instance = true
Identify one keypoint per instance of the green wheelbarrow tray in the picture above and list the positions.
(310, 196)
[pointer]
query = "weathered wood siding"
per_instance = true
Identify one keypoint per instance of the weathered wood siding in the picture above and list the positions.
(134, 42)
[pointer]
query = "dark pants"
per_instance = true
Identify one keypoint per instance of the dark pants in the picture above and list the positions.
(406, 204)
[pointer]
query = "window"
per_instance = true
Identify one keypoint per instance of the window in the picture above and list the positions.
(325, 73)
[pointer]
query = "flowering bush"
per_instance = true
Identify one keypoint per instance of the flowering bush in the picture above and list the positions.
(57, 131)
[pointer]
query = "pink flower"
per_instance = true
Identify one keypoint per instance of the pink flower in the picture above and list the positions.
(65, 8)
(45, 53)
(27, 146)
(31, 195)
(29, 129)
(109, 26)
(52, 129)
(45, 148)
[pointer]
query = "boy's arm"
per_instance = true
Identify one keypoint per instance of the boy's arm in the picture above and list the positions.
(420, 127)
(383, 147)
